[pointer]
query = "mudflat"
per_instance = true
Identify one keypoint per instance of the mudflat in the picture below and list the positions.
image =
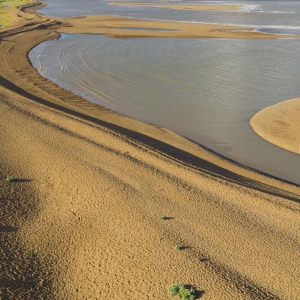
(100, 203)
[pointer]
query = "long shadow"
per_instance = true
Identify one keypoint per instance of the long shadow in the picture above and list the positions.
(199, 293)
(21, 180)
(167, 218)
(181, 248)
(203, 259)
(8, 229)
(165, 149)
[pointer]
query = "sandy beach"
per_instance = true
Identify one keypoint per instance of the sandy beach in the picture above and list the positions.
(82, 217)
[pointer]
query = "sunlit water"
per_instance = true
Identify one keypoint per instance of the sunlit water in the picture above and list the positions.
(204, 89)
(263, 15)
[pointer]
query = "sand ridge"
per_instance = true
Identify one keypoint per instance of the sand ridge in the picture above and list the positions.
(91, 186)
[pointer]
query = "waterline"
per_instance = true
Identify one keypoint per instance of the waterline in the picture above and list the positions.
(206, 90)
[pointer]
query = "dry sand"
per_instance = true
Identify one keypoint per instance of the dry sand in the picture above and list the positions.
(279, 124)
(81, 220)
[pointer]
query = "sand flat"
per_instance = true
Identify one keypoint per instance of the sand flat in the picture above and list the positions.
(91, 186)
(113, 26)
(181, 6)
(279, 124)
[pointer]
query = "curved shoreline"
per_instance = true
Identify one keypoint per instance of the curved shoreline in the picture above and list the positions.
(97, 176)
(279, 124)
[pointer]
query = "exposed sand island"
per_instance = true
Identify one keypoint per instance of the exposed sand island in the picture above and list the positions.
(119, 27)
(81, 219)
(181, 6)
(279, 124)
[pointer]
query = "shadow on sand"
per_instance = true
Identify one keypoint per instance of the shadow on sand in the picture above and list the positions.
(162, 148)
(8, 229)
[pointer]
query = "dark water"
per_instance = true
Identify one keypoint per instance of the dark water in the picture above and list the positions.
(204, 89)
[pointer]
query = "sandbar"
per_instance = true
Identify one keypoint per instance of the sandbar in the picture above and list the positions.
(181, 6)
(279, 124)
(113, 26)
(100, 202)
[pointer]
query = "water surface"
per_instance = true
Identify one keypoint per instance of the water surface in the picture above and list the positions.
(262, 15)
(204, 89)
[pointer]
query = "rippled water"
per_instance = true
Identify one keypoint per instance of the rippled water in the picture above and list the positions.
(204, 89)
(263, 15)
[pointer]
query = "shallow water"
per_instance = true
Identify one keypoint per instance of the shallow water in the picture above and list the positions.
(204, 89)
(262, 15)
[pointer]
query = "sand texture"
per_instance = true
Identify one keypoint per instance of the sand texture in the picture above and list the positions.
(81, 220)
(279, 124)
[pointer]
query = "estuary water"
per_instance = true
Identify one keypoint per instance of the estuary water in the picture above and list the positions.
(204, 89)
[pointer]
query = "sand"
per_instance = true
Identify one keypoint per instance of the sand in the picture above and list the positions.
(81, 220)
(181, 6)
(114, 27)
(279, 124)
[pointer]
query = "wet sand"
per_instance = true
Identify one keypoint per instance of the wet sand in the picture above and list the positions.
(279, 124)
(114, 27)
(181, 6)
(81, 220)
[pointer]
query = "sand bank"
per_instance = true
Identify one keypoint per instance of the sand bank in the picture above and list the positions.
(82, 219)
(181, 6)
(279, 124)
(119, 27)
(114, 27)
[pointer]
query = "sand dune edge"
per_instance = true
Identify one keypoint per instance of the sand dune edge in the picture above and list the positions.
(82, 220)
